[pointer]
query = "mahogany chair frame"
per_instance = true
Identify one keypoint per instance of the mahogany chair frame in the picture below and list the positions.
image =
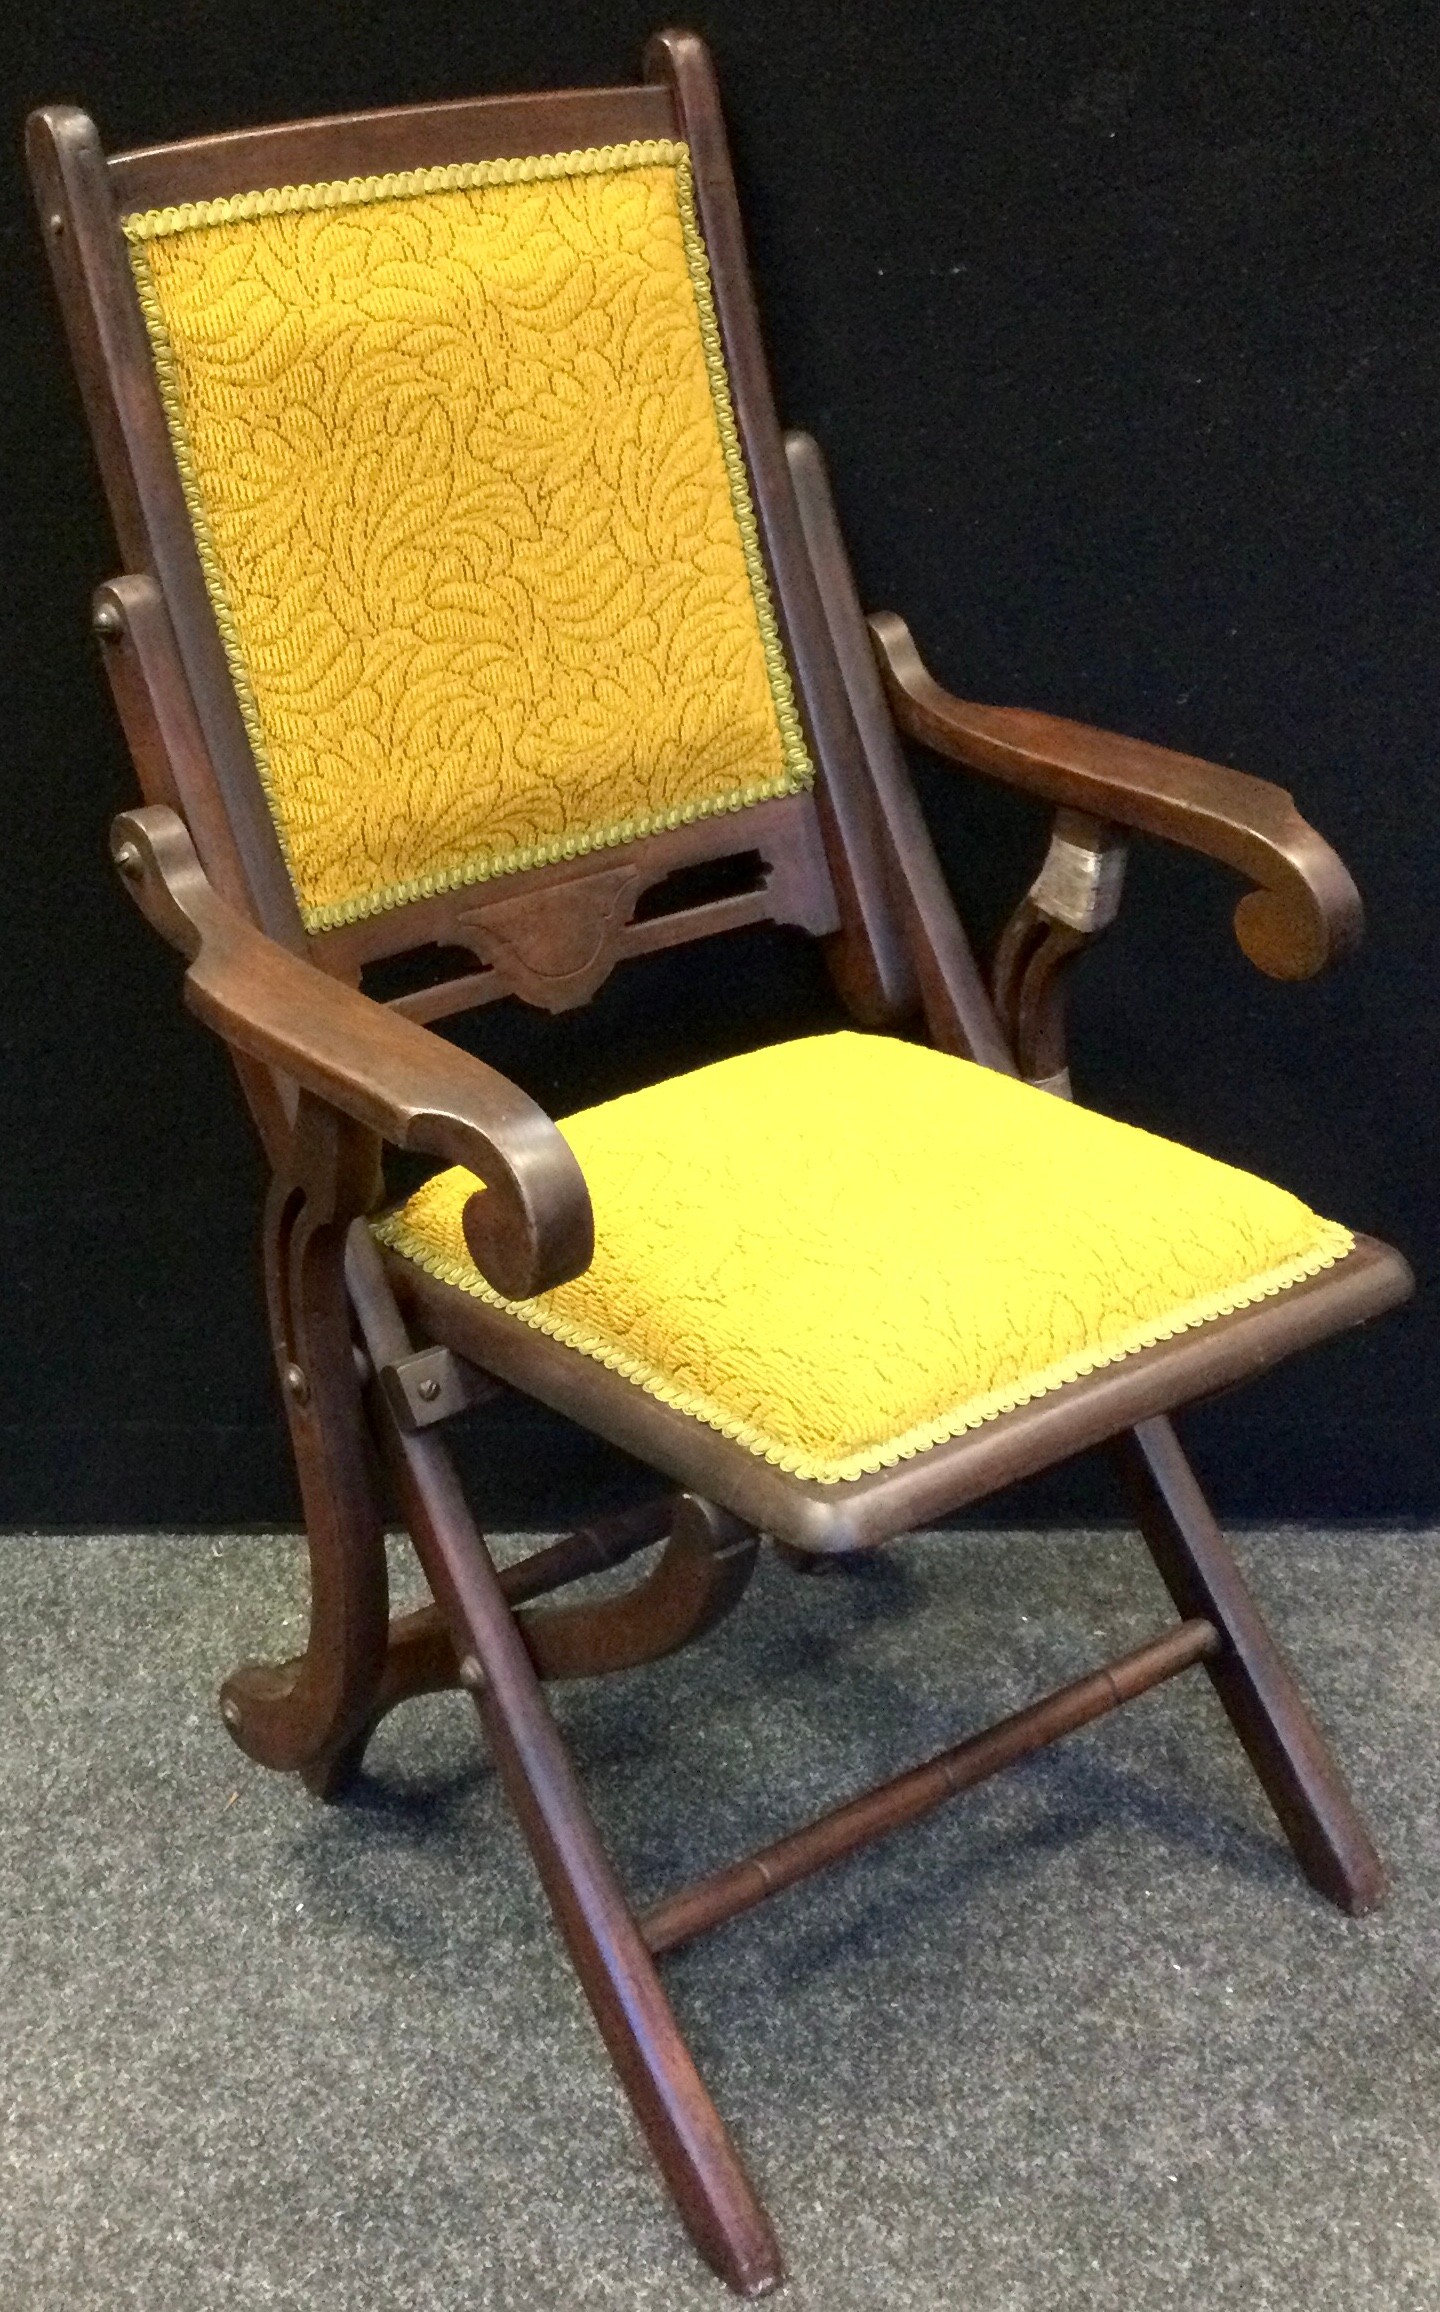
(372, 1355)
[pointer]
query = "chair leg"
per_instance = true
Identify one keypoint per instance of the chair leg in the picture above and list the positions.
(617, 1972)
(1251, 1677)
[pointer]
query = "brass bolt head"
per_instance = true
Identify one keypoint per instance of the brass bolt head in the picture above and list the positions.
(128, 860)
(471, 1674)
(106, 621)
(429, 1390)
(297, 1384)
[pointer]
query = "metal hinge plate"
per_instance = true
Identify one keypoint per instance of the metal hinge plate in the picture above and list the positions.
(433, 1385)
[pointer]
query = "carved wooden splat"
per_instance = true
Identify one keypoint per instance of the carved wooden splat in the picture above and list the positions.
(553, 934)
(554, 947)
(785, 832)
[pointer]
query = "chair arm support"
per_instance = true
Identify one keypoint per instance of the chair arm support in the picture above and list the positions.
(532, 1228)
(1305, 910)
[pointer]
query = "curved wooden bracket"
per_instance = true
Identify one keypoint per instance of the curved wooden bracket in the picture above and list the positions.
(1031, 984)
(298, 1716)
(1072, 901)
(701, 1575)
(554, 947)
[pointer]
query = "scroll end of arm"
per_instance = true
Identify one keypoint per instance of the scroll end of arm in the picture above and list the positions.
(532, 1227)
(1303, 912)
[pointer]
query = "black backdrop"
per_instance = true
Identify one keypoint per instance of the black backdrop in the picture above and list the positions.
(1121, 327)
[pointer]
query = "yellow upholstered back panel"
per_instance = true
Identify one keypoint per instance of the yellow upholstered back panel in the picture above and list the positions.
(460, 455)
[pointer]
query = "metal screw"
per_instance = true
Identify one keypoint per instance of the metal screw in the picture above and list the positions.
(230, 1711)
(297, 1384)
(56, 223)
(129, 861)
(429, 1390)
(106, 621)
(471, 1674)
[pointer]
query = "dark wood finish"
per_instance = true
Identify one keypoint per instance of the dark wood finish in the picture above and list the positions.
(617, 1973)
(1305, 911)
(304, 1715)
(868, 957)
(434, 1385)
(1251, 1677)
(1072, 903)
(699, 1577)
(533, 1228)
(370, 144)
(702, 1574)
(873, 1509)
(157, 713)
(594, 1548)
(1031, 976)
(420, 1657)
(330, 1073)
(685, 2132)
(553, 935)
(137, 465)
(910, 1796)
(461, 992)
(555, 948)
(958, 1014)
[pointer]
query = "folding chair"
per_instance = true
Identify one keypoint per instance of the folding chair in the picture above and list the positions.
(474, 599)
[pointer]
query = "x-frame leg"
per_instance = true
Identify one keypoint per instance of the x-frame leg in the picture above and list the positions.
(1249, 1673)
(614, 1952)
(617, 1972)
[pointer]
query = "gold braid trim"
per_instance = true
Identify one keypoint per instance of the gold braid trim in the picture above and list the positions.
(403, 185)
(463, 176)
(792, 738)
(1333, 1243)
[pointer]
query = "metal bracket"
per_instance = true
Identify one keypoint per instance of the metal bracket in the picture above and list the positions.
(433, 1385)
(1083, 874)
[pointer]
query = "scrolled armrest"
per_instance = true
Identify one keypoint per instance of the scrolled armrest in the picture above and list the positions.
(1305, 910)
(532, 1228)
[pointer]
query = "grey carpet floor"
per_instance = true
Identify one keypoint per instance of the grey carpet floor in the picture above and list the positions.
(1084, 2041)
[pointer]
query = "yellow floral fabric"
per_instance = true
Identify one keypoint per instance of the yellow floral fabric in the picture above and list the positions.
(844, 1250)
(461, 459)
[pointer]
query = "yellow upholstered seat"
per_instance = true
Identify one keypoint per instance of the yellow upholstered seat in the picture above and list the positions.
(844, 1250)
